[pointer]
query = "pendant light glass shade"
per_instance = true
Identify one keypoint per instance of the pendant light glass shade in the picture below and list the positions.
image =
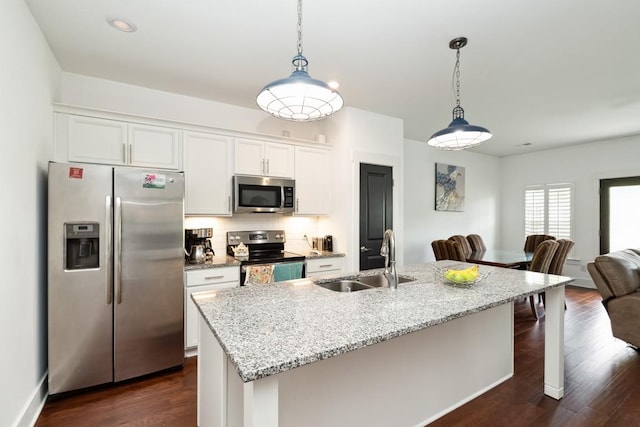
(299, 97)
(459, 134)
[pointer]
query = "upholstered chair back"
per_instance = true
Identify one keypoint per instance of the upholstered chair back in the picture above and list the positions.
(476, 242)
(543, 255)
(447, 249)
(463, 243)
(532, 241)
(617, 273)
(557, 263)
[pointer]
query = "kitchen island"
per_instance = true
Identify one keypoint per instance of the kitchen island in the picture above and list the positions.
(293, 353)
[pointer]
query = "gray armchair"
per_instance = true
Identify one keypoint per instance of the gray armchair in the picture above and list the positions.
(617, 277)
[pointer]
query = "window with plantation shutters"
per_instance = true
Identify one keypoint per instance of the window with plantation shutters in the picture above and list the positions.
(548, 209)
(534, 211)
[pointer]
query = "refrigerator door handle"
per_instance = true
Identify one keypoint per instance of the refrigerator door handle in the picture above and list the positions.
(108, 247)
(117, 240)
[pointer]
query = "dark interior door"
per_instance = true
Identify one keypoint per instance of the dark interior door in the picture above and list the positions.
(376, 212)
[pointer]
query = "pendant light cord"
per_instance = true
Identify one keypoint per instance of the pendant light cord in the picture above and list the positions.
(299, 61)
(458, 111)
(299, 98)
(457, 75)
(300, 27)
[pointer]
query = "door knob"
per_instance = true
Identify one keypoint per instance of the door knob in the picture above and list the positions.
(364, 249)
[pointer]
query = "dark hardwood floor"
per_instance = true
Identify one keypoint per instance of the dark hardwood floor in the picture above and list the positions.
(164, 399)
(602, 384)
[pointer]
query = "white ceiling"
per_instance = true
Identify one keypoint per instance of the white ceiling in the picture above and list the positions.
(543, 72)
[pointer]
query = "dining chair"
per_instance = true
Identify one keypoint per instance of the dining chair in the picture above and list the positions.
(447, 249)
(533, 240)
(476, 242)
(557, 263)
(559, 258)
(542, 257)
(464, 244)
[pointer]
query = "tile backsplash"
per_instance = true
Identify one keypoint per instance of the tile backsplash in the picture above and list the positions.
(294, 226)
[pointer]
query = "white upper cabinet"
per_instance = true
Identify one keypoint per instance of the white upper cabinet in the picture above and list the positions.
(280, 159)
(96, 140)
(312, 184)
(260, 158)
(207, 170)
(115, 142)
(154, 146)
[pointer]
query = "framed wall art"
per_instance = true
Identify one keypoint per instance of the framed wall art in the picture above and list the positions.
(449, 188)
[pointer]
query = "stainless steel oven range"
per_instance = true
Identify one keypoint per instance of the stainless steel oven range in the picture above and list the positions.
(265, 247)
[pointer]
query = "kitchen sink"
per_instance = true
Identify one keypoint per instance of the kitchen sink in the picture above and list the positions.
(380, 281)
(362, 283)
(344, 286)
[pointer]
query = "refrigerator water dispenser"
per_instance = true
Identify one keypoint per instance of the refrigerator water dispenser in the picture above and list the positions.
(81, 241)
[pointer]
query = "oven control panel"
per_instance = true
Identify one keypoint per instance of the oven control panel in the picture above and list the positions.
(255, 237)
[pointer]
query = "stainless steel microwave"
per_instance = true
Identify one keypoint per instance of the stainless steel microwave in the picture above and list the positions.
(263, 194)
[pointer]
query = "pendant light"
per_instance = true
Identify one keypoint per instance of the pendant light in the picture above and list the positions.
(459, 134)
(299, 97)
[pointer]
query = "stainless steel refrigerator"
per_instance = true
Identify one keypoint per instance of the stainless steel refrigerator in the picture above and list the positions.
(115, 274)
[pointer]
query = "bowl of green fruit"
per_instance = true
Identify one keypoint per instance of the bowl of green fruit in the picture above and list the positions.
(454, 275)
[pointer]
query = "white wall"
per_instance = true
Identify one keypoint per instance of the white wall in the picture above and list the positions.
(29, 80)
(423, 223)
(295, 228)
(360, 136)
(91, 92)
(584, 165)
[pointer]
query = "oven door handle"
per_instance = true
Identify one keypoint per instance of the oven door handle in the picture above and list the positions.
(243, 268)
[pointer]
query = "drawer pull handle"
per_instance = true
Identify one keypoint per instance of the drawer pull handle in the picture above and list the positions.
(214, 277)
(326, 265)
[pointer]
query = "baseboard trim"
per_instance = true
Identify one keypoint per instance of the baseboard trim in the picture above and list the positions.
(34, 407)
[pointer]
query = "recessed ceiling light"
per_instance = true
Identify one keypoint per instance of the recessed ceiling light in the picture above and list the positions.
(121, 24)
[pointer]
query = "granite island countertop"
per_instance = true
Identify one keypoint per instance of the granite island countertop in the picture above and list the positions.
(268, 329)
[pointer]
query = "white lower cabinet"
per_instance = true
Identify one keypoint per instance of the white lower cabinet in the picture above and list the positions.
(204, 280)
(327, 265)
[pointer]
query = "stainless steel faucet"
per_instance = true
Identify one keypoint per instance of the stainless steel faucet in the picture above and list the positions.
(388, 251)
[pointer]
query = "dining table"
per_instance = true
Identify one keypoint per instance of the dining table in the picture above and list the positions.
(507, 258)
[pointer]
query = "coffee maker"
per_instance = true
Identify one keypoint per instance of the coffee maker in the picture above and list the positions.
(197, 244)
